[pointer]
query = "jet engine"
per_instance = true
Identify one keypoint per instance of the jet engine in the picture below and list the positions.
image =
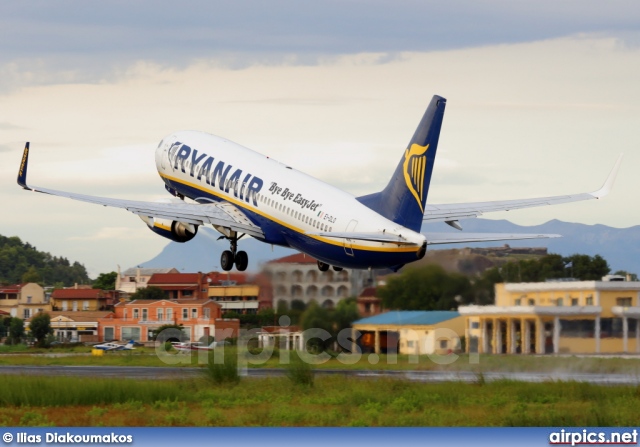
(174, 230)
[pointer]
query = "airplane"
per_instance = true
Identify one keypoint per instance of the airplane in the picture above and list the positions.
(115, 346)
(187, 347)
(241, 192)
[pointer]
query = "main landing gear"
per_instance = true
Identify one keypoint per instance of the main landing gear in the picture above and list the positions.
(233, 256)
(324, 267)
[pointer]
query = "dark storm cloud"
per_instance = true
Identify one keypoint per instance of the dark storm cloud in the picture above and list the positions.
(42, 41)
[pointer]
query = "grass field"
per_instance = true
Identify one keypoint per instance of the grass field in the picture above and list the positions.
(300, 400)
(331, 401)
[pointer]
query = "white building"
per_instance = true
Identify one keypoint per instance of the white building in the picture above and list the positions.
(297, 277)
(133, 279)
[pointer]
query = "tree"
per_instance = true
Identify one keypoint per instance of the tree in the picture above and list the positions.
(4, 328)
(296, 309)
(345, 313)
(266, 317)
(31, 275)
(106, 281)
(18, 259)
(426, 288)
(40, 328)
(316, 317)
(587, 268)
(483, 288)
(282, 308)
(582, 267)
(16, 331)
(149, 293)
(174, 333)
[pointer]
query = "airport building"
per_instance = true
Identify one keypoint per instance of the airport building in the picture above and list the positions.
(410, 332)
(577, 317)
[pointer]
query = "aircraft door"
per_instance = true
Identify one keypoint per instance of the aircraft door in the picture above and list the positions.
(348, 243)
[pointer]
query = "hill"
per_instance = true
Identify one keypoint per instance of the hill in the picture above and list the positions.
(619, 246)
(22, 262)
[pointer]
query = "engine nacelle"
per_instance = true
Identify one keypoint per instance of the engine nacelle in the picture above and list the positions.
(171, 229)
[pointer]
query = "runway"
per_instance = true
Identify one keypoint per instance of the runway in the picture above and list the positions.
(177, 373)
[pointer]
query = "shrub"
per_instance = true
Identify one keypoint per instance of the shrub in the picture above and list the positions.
(300, 372)
(226, 372)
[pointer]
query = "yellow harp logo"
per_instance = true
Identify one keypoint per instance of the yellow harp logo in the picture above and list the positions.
(415, 164)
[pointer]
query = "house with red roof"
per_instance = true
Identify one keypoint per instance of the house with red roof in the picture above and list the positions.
(23, 300)
(139, 319)
(181, 285)
(82, 299)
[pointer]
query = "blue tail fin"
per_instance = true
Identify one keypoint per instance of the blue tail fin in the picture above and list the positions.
(403, 199)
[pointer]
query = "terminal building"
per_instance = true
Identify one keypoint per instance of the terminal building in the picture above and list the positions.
(410, 332)
(557, 317)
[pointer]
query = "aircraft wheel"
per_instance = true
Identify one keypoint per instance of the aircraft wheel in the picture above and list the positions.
(226, 260)
(242, 261)
(322, 266)
(337, 269)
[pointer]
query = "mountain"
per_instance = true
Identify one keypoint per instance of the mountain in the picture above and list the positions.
(202, 253)
(619, 246)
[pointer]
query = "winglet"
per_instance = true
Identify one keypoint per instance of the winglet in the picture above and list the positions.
(608, 184)
(22, 173)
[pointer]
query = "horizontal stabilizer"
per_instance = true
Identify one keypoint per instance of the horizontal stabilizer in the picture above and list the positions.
(457, 238)
(371, 237)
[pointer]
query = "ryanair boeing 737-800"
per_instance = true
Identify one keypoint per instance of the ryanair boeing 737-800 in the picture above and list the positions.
(241, 192)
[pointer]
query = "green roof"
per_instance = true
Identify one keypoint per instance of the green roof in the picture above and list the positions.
(410, 317)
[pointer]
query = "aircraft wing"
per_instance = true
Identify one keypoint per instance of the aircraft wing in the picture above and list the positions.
(192, 213)
(455, 211)
(457, 238)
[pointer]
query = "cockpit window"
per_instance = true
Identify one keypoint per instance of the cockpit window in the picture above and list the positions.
(173, 150)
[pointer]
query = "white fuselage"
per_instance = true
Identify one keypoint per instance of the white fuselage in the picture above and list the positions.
(291, 207)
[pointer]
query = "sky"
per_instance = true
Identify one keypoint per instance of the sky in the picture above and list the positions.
(542, 97)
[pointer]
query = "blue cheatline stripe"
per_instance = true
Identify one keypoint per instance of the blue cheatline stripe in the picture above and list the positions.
(324, 249)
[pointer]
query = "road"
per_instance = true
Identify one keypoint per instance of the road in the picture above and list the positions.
(140, 372)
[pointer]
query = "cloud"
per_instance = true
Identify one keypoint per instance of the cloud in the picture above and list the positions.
(522, 120)
(65, 42)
